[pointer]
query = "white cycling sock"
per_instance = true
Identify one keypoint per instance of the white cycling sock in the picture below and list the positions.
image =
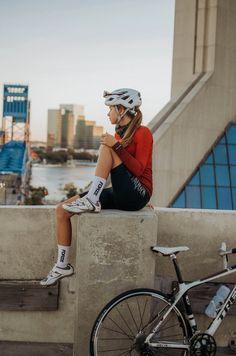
(96, 188)
(63, 255)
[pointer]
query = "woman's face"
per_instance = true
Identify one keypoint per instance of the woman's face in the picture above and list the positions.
(112, 114)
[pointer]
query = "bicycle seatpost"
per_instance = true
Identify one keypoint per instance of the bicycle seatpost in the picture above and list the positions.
(177, 269)
(185, 297)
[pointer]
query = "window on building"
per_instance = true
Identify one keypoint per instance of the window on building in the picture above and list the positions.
(213, 184)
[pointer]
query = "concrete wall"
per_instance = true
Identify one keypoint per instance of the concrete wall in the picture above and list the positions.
(184, 45)
(202, 231)
(113, 247)
(194, 41)
(28, 251)
(112, 255)
(194, 123)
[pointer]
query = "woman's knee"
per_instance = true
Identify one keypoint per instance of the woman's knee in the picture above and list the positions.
(61, 212)
(111, 152)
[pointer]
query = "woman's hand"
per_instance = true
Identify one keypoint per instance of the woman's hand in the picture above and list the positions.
(108, 140)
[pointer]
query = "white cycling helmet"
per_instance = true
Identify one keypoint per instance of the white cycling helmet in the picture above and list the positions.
(129, 98)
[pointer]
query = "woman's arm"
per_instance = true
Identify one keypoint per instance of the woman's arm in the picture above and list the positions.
(136, 164)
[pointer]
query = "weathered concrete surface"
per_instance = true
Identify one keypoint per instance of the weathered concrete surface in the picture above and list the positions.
(113, 255)
(28, 251)
(202, 231)
(34, 349)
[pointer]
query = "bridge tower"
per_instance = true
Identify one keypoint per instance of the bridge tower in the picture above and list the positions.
(16, 113)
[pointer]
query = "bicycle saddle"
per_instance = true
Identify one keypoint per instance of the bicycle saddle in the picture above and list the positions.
(167, 251)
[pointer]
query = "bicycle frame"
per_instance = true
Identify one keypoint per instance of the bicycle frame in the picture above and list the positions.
(182, 294)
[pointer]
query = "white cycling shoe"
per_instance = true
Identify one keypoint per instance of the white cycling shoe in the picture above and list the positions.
(57, 273)
(82, 205)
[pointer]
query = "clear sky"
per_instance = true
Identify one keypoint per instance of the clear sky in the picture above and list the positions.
(69, 51)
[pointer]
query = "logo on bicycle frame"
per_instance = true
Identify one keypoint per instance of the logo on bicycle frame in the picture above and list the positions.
(228, 305)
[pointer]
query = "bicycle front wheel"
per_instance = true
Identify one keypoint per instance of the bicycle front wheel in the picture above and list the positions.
(123, 325)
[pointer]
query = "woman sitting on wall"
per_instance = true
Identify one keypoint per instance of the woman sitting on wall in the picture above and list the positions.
(127, 157)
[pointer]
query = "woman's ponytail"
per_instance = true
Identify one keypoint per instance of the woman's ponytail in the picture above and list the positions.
(136, 120)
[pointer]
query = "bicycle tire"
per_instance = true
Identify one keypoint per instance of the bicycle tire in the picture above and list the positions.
(113, 334)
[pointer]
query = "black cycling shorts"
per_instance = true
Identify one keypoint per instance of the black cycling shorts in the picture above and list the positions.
(126, 193)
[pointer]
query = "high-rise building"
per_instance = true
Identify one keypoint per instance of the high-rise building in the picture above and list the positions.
(76, 110)
(97, 133)
(87, 134)
(54, 128)
(67, 127)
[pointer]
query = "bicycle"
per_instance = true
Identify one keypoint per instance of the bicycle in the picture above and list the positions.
(148, 322)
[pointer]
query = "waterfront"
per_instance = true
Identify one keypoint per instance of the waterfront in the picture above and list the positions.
(55, 178)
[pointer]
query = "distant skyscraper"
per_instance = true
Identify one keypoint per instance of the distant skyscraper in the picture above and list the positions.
(76, 110)
(54, 128)
(67, 127)
(87, 134)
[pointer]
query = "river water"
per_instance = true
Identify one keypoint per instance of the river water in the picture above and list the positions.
(55, 178)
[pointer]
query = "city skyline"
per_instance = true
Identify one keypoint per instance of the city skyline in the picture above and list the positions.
(69, 53)
(68, 128)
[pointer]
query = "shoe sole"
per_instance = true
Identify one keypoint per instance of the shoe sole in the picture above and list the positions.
(52, 284)
(81, 211)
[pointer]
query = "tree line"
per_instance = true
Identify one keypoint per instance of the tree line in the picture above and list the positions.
(62, 156)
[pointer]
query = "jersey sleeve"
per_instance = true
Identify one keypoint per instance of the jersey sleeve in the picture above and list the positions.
(136, 164)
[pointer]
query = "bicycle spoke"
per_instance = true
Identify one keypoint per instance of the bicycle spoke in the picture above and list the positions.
(141, 316)
(154, 318)
(124, 320)
(129, 336)
(125, 324)
(132, 316)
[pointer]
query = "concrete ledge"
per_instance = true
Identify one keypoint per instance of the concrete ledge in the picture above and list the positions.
(111, 252)
(113, 255)
(28, 251)
(202, 231)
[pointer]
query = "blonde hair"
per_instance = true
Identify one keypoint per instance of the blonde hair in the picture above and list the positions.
(136, 120)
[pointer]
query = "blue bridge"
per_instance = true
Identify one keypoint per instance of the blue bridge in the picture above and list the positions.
(13, 157)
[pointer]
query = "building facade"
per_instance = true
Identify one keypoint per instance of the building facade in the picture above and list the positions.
(87, 134)
(194, 147)
(54, 128)
(67, 127)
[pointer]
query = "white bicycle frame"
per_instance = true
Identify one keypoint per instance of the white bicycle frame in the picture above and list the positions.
(183, 288)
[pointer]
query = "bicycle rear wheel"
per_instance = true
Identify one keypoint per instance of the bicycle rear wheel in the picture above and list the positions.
(123, 325)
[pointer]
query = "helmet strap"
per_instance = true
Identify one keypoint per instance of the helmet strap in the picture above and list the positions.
(120, 116)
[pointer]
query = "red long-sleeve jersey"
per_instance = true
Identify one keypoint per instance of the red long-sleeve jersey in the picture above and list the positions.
(137, 156)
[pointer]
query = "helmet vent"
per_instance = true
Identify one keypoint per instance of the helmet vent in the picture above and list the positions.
(125, 97)
(131, 101)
